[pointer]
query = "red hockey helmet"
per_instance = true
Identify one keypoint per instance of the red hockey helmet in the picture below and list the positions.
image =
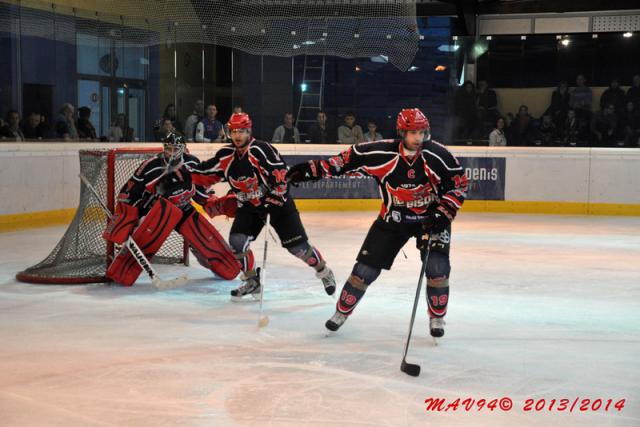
(412, 119)
(239, 121)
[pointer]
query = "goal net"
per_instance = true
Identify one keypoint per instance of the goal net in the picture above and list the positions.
(82, 255)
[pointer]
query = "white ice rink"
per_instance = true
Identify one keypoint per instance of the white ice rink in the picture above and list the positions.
(543, 307)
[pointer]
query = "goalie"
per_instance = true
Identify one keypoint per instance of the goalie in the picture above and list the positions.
(157, 200)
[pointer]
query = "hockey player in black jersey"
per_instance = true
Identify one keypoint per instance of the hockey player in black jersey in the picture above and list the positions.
(422, 186)
(257, 175)
(157, 200)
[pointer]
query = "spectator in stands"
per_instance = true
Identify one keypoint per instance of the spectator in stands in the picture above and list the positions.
(559, 104)
(633, 94)
(166, 127)
(65, 126)
(497, 137)
(581, 98)
(84, 125)
(522, 127)
(11, 130)
(613, 95)
(604, 127)
(509, 128)
(286, 133)
(120, 130)
(547, 133)
(209, 129)
(171, 114)
(573, 131)
(319, 132)
(193, 119)
(487, 105)
(372, 134)
(465, 111)
(630, 125)
(33, 128)
(350, 132)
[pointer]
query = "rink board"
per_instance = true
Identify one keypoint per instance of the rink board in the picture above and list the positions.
(40, 184)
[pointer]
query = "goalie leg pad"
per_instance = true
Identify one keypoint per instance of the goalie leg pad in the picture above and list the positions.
(121, 223)
(150, 235)
(209, 246)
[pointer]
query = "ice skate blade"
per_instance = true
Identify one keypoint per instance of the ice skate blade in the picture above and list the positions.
(255, 298)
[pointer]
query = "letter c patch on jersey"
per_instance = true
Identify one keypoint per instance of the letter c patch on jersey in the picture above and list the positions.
(411, 174)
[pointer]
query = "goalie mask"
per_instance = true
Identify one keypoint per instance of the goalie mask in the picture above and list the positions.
(174, 147)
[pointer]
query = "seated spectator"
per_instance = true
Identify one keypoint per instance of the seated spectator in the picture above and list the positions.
(633, 94)
(573, 132)
(120, 130)
(166, 127)
(372, 134)
(522, 127)
(630, 125)
(84, 126)
(497, 137)
(547, 133)
(350, 132)
(191, 122)
(11, 130)
(604, 126)
(559, 104)
(465, 111)
(581, 98)
(33, 128)
(209, 129)
(509, 128)
(286, 133)
(65, 125)
(319, 132)
(487, 105)
(613, 95)
(170, 114)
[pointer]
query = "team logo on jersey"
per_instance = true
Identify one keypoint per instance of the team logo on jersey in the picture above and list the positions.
(280, 175)
(415, 199)
(249, 189)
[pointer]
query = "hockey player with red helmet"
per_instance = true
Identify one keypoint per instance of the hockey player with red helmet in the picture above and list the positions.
(257, 175)
(423, 186)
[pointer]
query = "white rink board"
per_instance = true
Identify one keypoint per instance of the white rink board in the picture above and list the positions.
(43, 176)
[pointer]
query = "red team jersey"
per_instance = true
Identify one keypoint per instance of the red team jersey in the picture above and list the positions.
(408, 185)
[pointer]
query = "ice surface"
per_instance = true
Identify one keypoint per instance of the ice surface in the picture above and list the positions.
(541, 307)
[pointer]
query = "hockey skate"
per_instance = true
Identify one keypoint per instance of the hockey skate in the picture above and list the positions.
(251, 287)
(336, 321)
(436, 326)
(328, 280)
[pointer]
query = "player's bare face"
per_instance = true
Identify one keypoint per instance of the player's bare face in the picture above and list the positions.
(413, 139)
(240, 137)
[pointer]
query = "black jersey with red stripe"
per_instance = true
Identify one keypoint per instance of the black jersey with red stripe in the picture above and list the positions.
(254, 174)
(152, 179)
(409, 184)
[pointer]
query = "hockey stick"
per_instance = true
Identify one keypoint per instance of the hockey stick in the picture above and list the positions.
(412, 368)
(135, 250)
(263, 320)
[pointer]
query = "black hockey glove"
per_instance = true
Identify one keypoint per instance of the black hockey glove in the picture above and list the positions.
(303, 172)
(436, 221)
